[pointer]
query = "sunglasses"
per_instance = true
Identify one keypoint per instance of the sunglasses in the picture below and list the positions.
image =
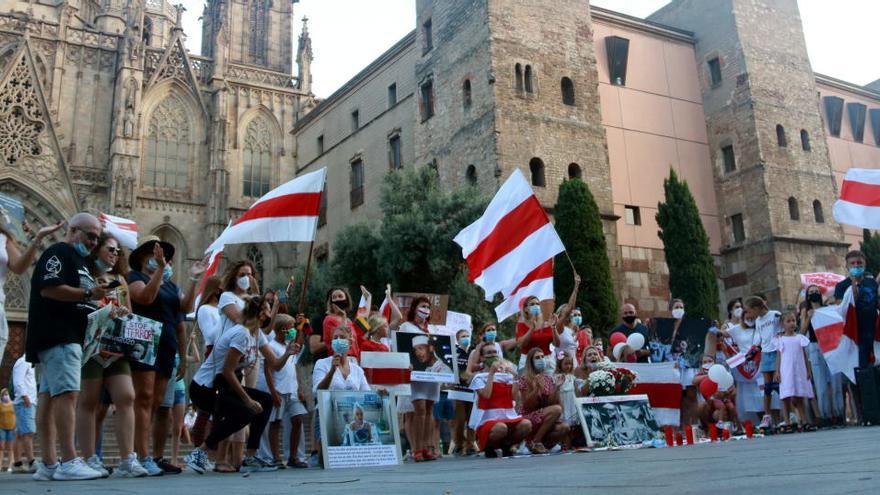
(113, 250)
(89, 235)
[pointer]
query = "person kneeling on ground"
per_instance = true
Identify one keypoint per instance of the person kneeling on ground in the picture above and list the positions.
(496, 422)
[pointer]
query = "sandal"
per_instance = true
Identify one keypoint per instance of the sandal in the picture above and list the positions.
(224, 468)
(419, 456)
(538, 448)
(432, 454)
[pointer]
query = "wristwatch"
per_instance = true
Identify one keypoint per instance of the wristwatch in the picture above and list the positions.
(87, 295)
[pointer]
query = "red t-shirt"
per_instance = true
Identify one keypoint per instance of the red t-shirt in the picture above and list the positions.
(370, 346)
(331, 322)
(541, 338)
(583, 340)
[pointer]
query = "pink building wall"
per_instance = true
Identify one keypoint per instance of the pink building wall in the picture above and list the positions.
(652, 123)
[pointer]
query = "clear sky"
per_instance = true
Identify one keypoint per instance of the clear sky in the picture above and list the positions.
(349, 34)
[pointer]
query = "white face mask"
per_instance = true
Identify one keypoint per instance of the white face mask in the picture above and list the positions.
(243, 283)
(678, 313)
(737, 312)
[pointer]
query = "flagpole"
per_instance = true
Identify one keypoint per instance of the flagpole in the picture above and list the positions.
(305, 286)
(573, 269)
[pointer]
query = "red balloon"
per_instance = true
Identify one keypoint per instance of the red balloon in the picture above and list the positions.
(616, 338)
(708, 388)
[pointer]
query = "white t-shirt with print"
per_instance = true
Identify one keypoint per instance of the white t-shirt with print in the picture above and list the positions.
(769, 326)
(238, 338)
(226, 299)
(285, 378)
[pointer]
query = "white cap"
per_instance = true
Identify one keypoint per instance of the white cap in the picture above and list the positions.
(420, 340)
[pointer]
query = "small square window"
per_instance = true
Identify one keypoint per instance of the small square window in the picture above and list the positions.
(739, 231)
(632, 215)
(355, 121)
(321, 144)
(715, 71)
(392, 95)
(729, 159)
(427, 31)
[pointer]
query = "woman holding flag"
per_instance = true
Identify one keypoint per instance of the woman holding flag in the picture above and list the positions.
(828, 387)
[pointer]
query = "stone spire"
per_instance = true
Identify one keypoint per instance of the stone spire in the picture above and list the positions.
(304, 59)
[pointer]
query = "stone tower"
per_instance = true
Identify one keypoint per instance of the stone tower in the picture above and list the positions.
(255, 32)
(773, 176)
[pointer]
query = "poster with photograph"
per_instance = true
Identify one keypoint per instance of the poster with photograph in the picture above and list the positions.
(687, 347)
(131, 336)
(617, 420)
(12, 217)
(358, 429)
(432, 356)
(439, 305)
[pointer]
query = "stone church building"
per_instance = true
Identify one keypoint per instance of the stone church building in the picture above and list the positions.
(103, 109)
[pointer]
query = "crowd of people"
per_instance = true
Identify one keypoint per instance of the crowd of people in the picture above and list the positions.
(261, 364)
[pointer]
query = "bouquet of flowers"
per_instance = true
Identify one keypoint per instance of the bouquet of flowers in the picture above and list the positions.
(611, 381)
(624, 379)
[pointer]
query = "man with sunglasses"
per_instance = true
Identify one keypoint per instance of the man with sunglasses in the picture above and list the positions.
(63, 293)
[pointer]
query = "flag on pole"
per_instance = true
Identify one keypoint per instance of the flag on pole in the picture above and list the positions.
(662, 384)
(859, 202)
(288, 213)
(363, 310)
(512, 238)
(385, 309)
(837, 335)
(538, 283)
(122, 229)
(213, 263)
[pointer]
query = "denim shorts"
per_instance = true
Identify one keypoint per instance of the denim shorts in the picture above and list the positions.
(173, 395)
(60, 369)
(444, 409)
(768, 362)
(25, 419)
(7, 435)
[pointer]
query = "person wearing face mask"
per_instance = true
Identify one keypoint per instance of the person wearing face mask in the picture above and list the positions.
(865, 297)
(566, 340)
(487, 335)
(63, 293)
(744, 338)
(630, 325)
(338, 305)
(541, 404)
(829, 388)
(107, 265)
(418, 413)
(208, 324)
(154, 295)
(533, 332)
(689, 392)
(497, 424)
(462, 436)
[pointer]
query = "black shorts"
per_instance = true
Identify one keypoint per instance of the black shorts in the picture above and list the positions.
(164, 365)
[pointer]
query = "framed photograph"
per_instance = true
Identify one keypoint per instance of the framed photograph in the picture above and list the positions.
(432, 356)
(617, 420)
(358, 429)
(686, 349)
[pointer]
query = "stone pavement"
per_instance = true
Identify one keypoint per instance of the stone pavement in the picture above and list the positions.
(826, 462)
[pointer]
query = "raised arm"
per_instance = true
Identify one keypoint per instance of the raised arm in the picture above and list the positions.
(145, 294)
(396, 315)
(20, 261)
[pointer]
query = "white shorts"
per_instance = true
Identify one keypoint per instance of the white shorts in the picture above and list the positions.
(290, 407)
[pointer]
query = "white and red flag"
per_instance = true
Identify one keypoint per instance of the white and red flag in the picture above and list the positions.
(512, 238)
(213, 262)
(859, 202)
(661, 382)
(288, 213)
(122, 229)
(538, 283)
(824, 280)
(837, 333)
(386, 368)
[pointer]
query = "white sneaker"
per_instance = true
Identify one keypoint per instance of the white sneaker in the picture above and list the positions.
(129, 468)
(151, 467)
(44, 472)
(75, 469)
(95, 463)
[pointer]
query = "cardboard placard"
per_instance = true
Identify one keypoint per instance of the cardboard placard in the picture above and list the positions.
(688, 345)
(454, 322)
(431, 362)
(617, 420)
(131, 336)
(439, 305)
(358, 429)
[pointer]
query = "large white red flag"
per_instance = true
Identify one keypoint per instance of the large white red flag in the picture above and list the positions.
(386, 368)
(837, 333)
(122, 229)
(288, 213)
(538, 283)
(512, 238)
(661, 382)
(859, 202)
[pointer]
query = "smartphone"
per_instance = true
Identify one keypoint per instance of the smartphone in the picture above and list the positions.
(112, 285)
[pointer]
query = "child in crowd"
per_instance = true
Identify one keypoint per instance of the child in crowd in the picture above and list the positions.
(718, 408)
(568, 384)
(793, 371)
(767, 324)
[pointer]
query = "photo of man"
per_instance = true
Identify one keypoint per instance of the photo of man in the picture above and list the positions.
(431, 356)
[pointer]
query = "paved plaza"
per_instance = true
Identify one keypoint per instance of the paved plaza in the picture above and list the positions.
(826, 462)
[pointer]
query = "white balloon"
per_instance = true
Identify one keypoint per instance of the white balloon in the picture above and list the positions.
(618, 349)
(725, 382)
(716, 372)
(635, 341)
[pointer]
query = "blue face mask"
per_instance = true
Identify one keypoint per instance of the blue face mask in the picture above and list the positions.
(490, 336)
(539, 364)
(81, 249)
(152, 265)
(857, 271)
(534, 310)
(465, 341)
(340, 346)
(167, 273)
(577, 320)
(101, 266)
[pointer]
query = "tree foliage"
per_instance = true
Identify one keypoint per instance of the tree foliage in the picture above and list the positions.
(580, 228)
(870, 246)
(691, 267)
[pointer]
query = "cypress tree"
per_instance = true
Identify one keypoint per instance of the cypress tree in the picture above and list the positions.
(580, 228)
(691, 267)
(870, 245)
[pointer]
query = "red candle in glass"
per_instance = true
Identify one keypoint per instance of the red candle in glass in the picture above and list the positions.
(750, 429)
(725, 434)
(679, 441)
(668, 432)
(689, 434)
(713, 432)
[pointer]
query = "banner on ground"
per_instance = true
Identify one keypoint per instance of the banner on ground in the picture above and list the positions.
(358, 429)
(661, 382)
(617, 420)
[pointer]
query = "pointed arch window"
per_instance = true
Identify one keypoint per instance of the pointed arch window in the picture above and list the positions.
(793, 211)
(818, 214)
(257, 159)
(471, 175)
(168, 148)
(781, 141)
(518, 77)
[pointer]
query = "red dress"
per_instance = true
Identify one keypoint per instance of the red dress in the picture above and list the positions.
(541, 338)
(546, 391)
(498, 408)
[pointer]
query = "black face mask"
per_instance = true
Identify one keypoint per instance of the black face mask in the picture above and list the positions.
(342, 304)
(265, 322)
(814, 297)
(629, 319)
